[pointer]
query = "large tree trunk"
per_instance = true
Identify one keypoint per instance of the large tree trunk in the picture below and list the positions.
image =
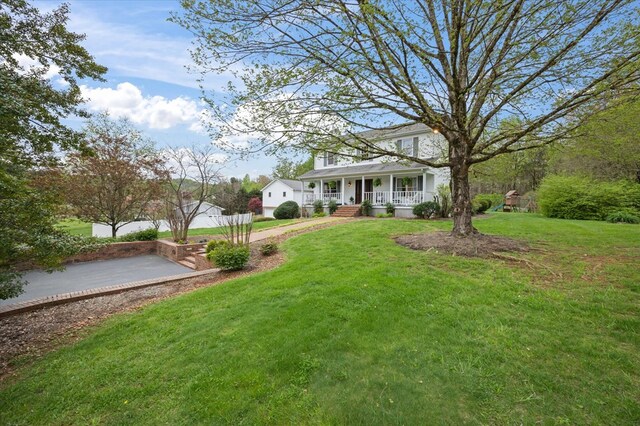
(114, 230)
(460, 195)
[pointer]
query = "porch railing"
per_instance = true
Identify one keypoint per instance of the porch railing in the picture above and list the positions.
(398, 198)
(377, 198)
(326, 197)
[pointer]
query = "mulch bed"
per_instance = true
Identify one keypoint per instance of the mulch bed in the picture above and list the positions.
(38, 332)
(477, 245)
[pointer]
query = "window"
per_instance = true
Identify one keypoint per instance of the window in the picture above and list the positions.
(269, 195)
(364, 154)
(284, 194)
(329, 159)
(332, 187)
(407, 146)
(412, 184)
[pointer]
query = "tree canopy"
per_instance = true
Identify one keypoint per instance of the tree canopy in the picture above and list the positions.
(314, 74)
(194, 172)
(606, 147)
(290, 169)
(40, 65)
(116, 182)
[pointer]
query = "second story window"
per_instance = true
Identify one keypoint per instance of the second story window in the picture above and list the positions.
(364, 154)
(329, 159)
(407, 146)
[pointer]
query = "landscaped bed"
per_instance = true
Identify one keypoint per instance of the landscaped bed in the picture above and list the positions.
(34, 333)
(356, 329)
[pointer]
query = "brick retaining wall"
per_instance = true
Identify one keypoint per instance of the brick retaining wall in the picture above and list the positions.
(116, 251)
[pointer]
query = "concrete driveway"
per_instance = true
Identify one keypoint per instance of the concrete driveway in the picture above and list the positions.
(90, 275)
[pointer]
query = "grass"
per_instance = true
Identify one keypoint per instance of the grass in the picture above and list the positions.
(78, 227)
(75, 227)
(258, 226)
(355, 329)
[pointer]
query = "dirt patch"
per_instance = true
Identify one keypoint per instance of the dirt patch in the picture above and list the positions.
(35, 333)
(478, 245)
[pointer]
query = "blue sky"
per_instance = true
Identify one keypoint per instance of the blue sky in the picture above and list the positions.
(147, 80)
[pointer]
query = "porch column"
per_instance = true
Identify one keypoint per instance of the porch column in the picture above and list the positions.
(342, 192)
(424, 186)
(391, 189)
(302, 200)
(322, 190)
(362, 199)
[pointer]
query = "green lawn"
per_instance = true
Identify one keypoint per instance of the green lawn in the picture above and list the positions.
(215, 231)
(78, 227)
(75, 227)
(355, 329)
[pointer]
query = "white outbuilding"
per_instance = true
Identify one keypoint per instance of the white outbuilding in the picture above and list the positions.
(280, 190)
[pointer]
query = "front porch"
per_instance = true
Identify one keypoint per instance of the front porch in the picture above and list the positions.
(400, 190)
(377, 198)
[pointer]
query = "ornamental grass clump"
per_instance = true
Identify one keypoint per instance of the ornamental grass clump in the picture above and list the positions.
(269, 248)
(232, 253)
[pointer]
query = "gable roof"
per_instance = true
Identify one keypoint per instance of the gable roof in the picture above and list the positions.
(395, 131)
(296, 185)
(204, 206)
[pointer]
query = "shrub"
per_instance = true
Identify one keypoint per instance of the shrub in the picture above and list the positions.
(214, 244)
(333, 206)
(426, 210)
(391, 209)
(493, 199)
(480, 204)
(269, 248)
(287, 210)
(573, 197)
(365, 208)
(321, 214)
(263, 219)
(255, 205)
(381, 215)
(150, 234)
(444, 199)
(318, 206)
(230, 257)
(622, 216)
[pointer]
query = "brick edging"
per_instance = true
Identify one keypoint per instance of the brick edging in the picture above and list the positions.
(58, 299)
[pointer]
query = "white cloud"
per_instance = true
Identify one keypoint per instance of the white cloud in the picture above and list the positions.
(129, 46)
(28, 64)
(156, 112)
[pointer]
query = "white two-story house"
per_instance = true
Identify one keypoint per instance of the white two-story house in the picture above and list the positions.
(380, 180)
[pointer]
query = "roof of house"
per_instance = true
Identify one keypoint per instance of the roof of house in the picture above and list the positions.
(204, 206)
(362, 169)
(296, 185)
(398, 130)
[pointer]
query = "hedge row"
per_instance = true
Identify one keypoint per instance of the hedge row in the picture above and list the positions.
(572, 197)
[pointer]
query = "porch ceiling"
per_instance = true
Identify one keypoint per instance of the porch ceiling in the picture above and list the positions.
(365, 169)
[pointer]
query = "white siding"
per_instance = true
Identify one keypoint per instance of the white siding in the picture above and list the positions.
(277, 193)
(430, 145)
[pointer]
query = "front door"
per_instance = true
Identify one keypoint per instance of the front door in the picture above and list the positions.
(368, 187)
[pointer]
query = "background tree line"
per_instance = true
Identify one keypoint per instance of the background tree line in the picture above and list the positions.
(605, 148)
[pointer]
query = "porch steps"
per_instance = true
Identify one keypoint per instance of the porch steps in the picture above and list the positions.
(189, 262)
(347, 211)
